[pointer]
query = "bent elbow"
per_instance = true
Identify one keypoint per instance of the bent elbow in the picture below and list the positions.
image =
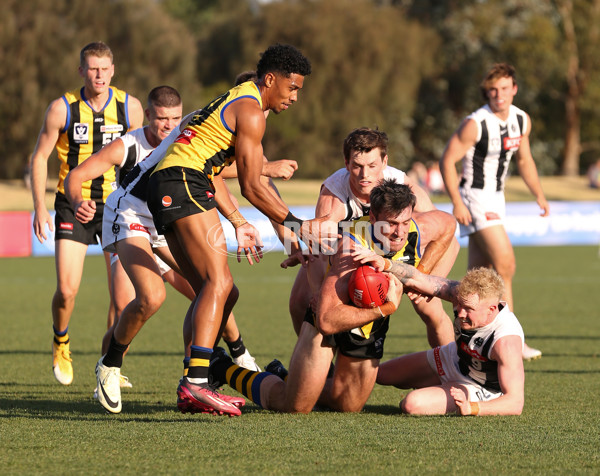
(248, 191)
(323, 324)
(518, 408)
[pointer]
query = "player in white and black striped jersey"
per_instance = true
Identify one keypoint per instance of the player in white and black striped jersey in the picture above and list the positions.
(485, 142)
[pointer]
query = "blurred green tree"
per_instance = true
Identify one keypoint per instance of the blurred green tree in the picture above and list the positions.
(40, 49)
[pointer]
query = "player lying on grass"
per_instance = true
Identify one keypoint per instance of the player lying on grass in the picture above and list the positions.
(344, 196)
(481, 373)
(355, 335)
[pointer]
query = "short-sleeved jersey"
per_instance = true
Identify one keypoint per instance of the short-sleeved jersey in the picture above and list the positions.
(137, 148)
(474, 347)
(86, 131)
(207, 143)
(485, 165)
(338, 183)
(363, 233)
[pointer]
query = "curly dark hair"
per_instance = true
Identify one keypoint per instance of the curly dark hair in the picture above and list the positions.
(391, 198)
(283, 59)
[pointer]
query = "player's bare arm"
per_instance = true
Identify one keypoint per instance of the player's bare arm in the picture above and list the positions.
(334, 311)
(511, 376)
(330, 205)
(408, 275)
(94, 166)
(283, 169)
(529, 173)
(458, 145)
(250, 127)
(437, 229)
(246, 234)
(332, 208)
(54, 122)
(135, 112)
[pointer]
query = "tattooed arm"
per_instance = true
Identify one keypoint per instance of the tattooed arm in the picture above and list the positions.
(409, 276)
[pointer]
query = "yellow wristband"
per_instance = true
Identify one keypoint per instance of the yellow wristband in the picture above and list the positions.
(474, 408)
(387, 264)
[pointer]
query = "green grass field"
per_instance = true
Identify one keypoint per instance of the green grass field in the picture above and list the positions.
(46, 428)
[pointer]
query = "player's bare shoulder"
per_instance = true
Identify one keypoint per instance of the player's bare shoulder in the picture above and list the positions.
(56, 114)
(245, 115)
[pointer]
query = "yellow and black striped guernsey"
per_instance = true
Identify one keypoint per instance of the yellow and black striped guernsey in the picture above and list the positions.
(207, 143)
(86, 132)
(361, 231)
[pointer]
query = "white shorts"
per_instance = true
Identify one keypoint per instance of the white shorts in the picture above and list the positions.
(126, 216)
(164, 267)
(486, 208)
(444, 361)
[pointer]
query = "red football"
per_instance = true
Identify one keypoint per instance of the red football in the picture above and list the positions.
(367, 287)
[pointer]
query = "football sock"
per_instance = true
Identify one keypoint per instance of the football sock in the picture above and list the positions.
(114, 354)
(186, 366)
(61, 337)
(198, 366)
(237, 347)
(247, 382)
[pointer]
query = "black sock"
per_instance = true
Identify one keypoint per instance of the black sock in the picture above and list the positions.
(114, 354)
(199, 362)
(237, 347)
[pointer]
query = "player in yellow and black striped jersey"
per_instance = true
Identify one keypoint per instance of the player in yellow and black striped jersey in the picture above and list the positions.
(185, 188)
(78, 124)
(354, 336)
(86, 131)
(344, 196)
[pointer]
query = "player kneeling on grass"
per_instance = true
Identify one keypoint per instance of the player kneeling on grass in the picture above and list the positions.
(356, 335)
(481, 373)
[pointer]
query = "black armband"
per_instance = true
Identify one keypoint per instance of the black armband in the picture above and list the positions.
(292, 222)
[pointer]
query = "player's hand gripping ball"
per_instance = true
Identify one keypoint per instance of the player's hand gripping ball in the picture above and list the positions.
(368, 287)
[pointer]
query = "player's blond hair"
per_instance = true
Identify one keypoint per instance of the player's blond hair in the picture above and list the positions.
(98, 49)
(485, 282)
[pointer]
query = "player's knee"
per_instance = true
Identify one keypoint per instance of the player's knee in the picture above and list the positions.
(298, 407)
(412, 405)
(506, 268)
(234, 295)
(350, 407)
(150, 303)
(65, 295)
(222, 284)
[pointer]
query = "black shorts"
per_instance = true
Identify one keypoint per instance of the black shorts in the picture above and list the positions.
(353, 345)
(67, 227)
(178, 192)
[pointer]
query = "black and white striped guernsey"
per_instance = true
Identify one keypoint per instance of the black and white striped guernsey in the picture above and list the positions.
(485, 165)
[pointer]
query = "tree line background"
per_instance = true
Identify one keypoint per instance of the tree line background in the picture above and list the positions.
(409, 67)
